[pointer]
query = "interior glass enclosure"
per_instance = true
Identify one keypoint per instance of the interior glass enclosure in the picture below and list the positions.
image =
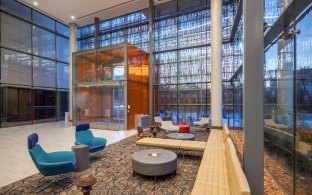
(110, 84)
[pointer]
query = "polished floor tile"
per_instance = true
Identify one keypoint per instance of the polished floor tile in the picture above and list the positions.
(15, 161)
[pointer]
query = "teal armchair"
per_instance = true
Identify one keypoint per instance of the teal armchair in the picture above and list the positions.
(50, 164)
(84, 136)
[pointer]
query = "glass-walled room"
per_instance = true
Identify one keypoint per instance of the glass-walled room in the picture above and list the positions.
(110, 86)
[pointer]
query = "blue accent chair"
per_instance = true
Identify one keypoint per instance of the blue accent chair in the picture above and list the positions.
(84, 136)
(50, 164)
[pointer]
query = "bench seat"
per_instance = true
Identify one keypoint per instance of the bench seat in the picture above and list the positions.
(220, 171)
(173, 144)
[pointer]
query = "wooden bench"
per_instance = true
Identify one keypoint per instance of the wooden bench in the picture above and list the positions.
(220, 171)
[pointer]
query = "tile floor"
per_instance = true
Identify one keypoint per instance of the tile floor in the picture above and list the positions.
(15, 162)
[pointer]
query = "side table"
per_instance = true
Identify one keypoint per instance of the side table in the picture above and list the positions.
(82, 156)
(85, 184)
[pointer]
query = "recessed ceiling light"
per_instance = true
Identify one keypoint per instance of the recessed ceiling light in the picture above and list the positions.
(35, 3)
(72, 17)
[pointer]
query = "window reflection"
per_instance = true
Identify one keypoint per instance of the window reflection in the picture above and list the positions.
(279, 114)
(303, 106)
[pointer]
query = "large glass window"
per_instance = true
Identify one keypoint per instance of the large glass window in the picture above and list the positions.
(303, 158)
(16, 8)
(11, 35)
(62, 29)
(62, 104)
(62, 75)
(16, 107)
(34, 54)
(279, 112)
(43, 42)
(43, 20)
(15, 68)
(44, 72)
(62, 49)
(44, 105)
(273, 9)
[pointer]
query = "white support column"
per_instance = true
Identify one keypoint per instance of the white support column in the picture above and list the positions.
(72, 49)
(253, 94)
(216, 63)
(151, 60)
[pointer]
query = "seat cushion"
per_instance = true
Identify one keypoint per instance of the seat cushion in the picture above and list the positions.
(96, 148)
(193, 145)
(170, 143)
(148, 141)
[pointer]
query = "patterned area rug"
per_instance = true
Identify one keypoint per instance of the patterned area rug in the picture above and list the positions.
(113, 170)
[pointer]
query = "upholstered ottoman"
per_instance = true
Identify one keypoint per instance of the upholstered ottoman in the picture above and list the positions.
(154, 162)
(184, 128)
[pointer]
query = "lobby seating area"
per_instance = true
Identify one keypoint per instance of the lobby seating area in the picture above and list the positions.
(219, 161)
(156, 97)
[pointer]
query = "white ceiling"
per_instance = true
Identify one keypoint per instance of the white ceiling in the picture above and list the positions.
(86, 10)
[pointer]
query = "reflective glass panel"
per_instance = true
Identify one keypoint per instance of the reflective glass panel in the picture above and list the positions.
(17, 107)
(44, 72)
(44, 105)
(15, 68)
(16, 8)
(62, 29)
(62, 104)
(43, 20)
(62, 49)
(303, 106)
(11, 35)
(43, 42)
(279, 113)
(62, 75)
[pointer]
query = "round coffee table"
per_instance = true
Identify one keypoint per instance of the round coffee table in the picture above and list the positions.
(154, 162)
(181, 136)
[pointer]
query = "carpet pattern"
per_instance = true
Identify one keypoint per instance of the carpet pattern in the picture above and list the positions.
(113, 170)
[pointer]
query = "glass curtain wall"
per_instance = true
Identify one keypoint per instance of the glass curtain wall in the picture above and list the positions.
(273, 9)
(287, 119)
(131, 28)
(181, 49)
(182, 53)
(34, 66)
